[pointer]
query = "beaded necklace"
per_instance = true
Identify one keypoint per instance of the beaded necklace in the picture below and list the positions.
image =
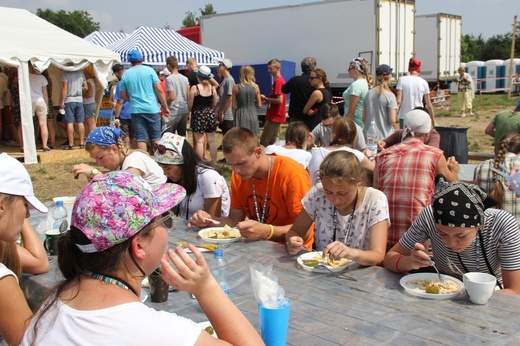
(349, 224)
(111, 280)
(262, 219)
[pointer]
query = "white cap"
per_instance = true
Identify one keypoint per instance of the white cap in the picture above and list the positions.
(166, 72)
(417, 122)
(14, 180)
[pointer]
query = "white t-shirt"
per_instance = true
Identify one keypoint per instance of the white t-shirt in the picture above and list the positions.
(153, 174)
(210, 184)
(37, 82)
(125, 324)
(414, 88)
(179, 84)
(373, 209)
(301, 156)
(319, 154)
(4, 271)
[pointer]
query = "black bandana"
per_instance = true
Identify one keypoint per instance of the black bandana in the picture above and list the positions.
(458, 204)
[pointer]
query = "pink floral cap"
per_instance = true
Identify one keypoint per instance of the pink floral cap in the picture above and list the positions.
(169, 149)
(117, 205)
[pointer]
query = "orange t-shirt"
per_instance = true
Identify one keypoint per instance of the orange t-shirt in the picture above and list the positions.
(288, 184)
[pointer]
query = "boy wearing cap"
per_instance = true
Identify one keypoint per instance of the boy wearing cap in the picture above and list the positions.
(405, 172)
(142, 88)
(224, 113)
(504, 122)
(412, 91)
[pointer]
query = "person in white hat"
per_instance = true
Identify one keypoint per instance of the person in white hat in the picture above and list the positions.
(405, 172)
(16, 195)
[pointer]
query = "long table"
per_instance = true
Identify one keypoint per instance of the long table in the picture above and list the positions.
(330, 310)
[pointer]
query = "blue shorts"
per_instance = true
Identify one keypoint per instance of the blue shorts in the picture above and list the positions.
(90, 110)
(146, 126)
(74, 110)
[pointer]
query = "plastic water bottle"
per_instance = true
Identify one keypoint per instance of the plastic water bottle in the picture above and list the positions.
(59, 214)
(372, 140)
(219, 267)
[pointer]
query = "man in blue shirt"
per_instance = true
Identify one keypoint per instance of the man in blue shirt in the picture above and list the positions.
(141, 87)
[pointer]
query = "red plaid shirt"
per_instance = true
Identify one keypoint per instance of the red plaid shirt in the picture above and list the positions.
(406, 175)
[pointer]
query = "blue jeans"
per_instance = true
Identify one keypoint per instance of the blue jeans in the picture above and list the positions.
(146, 126)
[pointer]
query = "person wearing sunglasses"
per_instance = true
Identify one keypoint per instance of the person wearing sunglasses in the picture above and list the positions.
(106, 147)
(206, 188)
(319, 97)
(354, 95)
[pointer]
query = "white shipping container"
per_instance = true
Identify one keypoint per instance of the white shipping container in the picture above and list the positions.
(333, 31)
(438, 45)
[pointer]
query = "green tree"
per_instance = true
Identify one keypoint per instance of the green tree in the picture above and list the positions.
(79, 23)
(471, 47)
(192, 19)
(189, 20)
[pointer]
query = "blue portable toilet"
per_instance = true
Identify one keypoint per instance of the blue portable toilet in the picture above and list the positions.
(492, 77)
(475, 70)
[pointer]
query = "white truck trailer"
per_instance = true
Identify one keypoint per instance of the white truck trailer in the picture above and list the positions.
(332, 31)
(437, 44)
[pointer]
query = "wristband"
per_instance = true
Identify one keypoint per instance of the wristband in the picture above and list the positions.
(397, 264)
(272, 232)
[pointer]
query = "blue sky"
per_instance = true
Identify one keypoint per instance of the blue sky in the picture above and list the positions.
(486, 17)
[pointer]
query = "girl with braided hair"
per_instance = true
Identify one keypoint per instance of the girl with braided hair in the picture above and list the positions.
(106, 147)
(507, 153)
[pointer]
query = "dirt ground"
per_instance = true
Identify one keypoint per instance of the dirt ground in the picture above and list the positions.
(54, 179)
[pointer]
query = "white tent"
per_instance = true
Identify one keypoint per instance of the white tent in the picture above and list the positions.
(105, 38)
(25, 37)
(158, 44)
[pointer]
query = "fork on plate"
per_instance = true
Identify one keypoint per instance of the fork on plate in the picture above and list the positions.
(432, 263)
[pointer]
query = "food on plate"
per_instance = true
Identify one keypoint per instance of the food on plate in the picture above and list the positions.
(434, 286)
(311, 262)
(225, 233)
(210, 330)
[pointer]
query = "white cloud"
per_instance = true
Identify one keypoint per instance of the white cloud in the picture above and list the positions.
(104, 19)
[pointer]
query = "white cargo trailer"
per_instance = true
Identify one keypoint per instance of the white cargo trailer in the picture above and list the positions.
(332, 31)
(437, 44)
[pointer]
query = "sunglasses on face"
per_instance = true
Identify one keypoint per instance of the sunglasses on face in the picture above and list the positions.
(161, 149)
(311, 78)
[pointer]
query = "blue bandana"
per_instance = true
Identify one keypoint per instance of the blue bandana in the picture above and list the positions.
(104, 136)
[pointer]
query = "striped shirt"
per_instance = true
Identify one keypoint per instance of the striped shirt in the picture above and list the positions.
(484, 180)
(500, 239)
(406, 174)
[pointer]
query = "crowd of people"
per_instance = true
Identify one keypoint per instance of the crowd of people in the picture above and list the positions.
(318, 190)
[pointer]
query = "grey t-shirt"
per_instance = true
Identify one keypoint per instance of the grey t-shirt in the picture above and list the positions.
(226, 88)
(75, 80)
(179, 84)
(377, 109)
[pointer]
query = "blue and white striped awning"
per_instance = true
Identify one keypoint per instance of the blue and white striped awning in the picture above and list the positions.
(158, 44)
(105, 38)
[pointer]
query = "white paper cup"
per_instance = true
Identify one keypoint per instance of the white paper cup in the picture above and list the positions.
(479, 286)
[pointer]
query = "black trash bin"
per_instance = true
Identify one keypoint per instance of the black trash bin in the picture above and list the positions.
(454, 142)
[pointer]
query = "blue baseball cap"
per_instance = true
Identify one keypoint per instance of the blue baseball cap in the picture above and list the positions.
(134, 55)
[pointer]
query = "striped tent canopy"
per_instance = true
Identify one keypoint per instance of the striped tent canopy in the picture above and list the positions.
(158, 44)
(105, 38)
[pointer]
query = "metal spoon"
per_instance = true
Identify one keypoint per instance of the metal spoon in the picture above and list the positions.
(432, 263)
(63, 226)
